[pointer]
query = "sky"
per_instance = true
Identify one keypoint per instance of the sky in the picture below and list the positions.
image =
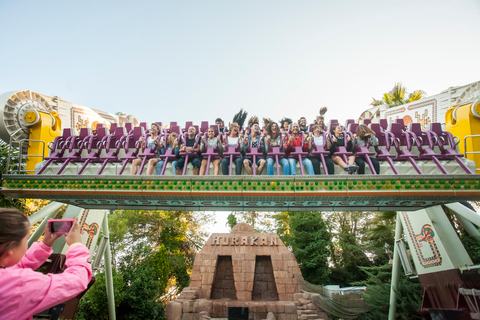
(199, 60)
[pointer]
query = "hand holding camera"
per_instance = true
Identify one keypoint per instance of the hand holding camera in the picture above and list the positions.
(55, 228)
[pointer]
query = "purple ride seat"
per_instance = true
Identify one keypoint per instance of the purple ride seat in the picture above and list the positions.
(129, 127)
(132, 147)
(58, 148)
(275, 152)
(401, 140)
(169, 154)
(424, 144)
(383, 124)
(75, 148)
(94, 147)
(366, 121)
(362, 152)
(383, 147)
(113, 127)
(252, 154)
(187, 125)
(191, 154)
(299, 154)
(204, 126)
(146, 154)
(401, 123)
(112, 145)
(352, 128)
(348, 122)
(342, 150)
(332, 124)
(231, 152)
(320, 152)
(175, 129)
(446, 144)
(211, 153)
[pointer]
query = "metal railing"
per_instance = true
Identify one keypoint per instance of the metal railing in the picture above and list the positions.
(465, 147)
(21, 156)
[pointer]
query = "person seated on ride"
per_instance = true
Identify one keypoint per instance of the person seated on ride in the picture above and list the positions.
(210, 142)
(154, 145)
(302, 122)
(317, 138)
(172, 143)
(295, 140)
(285, 122)
(191, 148)
(337, 139)
(275, 139)
(363, 135)
(219, 123)
(254, 140)
(26, 292)
(232, 140)
(320, 119)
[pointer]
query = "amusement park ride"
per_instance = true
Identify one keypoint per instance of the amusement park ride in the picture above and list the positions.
(78, 156)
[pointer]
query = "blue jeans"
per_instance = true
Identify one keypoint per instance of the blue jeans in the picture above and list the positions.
(306, 162)
(196, 162)
(283, 162)
(238, 166)
(160, 166)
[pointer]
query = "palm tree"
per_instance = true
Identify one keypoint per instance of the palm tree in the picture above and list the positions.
(5, 148)
(398, 96)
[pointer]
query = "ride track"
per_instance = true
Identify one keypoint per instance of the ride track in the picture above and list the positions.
(247, 193)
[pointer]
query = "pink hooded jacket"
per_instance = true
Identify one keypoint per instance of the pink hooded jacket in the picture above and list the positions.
(24, 292)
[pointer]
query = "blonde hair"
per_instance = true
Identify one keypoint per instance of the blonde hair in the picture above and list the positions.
(171, 139)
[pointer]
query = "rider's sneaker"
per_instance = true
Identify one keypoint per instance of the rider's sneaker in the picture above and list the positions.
(352, 168)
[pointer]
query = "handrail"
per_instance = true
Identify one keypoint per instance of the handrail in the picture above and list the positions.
(465, 147)
(21, 155)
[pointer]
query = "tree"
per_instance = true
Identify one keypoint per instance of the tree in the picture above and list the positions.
(350, 246)
(310, 242)
(5, 148)
(231, 221)
(398, 96)
(145, 274)
(377, 296)
(380, 236)
(153, 254)
(94, 304)
(260, 221)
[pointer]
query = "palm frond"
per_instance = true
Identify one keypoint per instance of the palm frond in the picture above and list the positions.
(376, 102)
(416, 95)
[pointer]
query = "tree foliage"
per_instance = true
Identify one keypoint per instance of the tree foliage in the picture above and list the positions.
(310, 243)
(409, 294)
(152, 255)
(231, 221)
(398, 96)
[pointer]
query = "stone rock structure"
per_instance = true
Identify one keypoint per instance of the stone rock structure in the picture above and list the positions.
(244, 269)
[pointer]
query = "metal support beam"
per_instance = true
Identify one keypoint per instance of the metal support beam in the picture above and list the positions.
(395, 270)
(463, 211)
(45, 211)
(108, 271)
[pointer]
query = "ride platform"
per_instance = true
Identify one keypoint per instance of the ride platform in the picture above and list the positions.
(247, 193)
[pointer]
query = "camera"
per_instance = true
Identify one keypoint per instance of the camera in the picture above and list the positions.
(60, 226)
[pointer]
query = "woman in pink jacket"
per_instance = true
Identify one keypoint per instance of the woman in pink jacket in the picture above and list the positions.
(25, 292)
